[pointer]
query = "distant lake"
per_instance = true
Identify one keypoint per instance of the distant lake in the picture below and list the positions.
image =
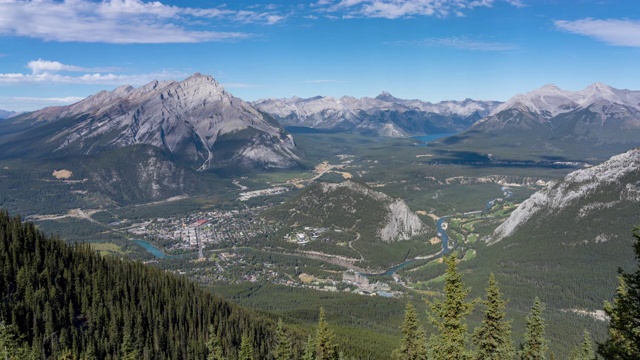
(151, 249)
(433, 137)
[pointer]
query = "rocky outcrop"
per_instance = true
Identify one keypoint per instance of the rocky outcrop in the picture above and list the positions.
(618, 178)
(400, 223)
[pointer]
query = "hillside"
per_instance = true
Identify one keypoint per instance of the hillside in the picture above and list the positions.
(355, 221)
(136, 145)
(62, 297)
(566, 243)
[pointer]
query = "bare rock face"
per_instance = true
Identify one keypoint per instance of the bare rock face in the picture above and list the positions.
(399, 223)
(402, 223)
(620, 175)
(186, 119)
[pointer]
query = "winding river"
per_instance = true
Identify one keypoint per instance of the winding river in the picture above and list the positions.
(442, 234)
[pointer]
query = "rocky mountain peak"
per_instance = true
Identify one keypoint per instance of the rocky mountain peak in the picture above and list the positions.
(385, 96)
(184, 118)
(549, 100)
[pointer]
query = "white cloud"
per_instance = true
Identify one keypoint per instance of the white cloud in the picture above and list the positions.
(122, 21)
(394, 9)
(43, 66)
(44, 72)
(611, 31)
(62, 100)
(40, 66)
(461, 43)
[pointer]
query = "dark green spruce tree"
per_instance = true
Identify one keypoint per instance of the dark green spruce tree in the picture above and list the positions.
(535, 345)
(309, 349)
(325, 340)
(214, 346)
(282, 350)
(493, 338)
(246, 348)
(414, 339)
(624, 314)
(585, 351)
(448, 317)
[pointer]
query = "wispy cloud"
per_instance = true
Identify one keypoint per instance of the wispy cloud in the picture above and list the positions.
(461, 43)
(123, 21)
(45, 71)
(27, 103)
(394, 9)
(43, 66)
(62, 100)
(611, 31)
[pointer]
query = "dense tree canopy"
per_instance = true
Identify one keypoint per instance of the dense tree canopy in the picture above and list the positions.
(59, 298)
(624, 312)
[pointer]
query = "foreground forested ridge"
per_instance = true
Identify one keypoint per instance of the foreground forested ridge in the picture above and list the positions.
(492, 339)
(59, 299)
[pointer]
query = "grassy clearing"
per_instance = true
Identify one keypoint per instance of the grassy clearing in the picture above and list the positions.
(107, 248)
(469, 254)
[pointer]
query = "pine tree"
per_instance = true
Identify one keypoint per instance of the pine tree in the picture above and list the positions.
(246, 348)
(128, 349)
(448, 317)
(325, 346)
(585, 351)
(414, 340)
(624, 314)
(309, 349)
(214, 346)
(535, 343)
(493, 337)
(282, 350)
(10, 347)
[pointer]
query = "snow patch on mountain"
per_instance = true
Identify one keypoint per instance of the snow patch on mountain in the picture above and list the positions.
(549, 100)
(347, 112)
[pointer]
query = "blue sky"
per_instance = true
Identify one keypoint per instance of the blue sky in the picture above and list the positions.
(57, 52)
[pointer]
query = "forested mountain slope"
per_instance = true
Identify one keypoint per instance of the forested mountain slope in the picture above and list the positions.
(62, 298)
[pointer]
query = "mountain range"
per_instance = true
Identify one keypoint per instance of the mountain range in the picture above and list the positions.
(384, 115)
(599, 119)
(5, 114)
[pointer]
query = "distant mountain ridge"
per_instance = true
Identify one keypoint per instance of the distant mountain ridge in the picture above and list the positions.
(195, 121)
(384, 115)
(5, 114)
(585, 113)
(597, 121)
